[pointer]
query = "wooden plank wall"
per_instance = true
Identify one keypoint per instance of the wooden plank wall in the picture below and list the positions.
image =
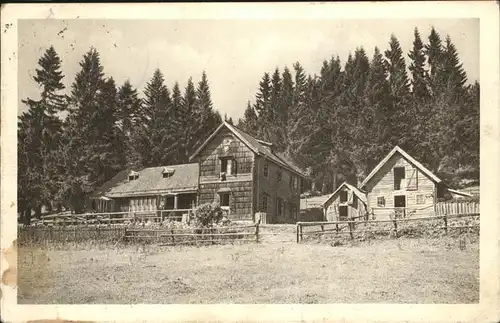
(240, 184)
(273, 188)
(382, 185)
(452, 208)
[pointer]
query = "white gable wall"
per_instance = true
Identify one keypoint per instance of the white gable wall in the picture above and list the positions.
(382, 185)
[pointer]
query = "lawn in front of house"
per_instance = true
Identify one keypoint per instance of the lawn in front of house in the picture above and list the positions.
(390, 271)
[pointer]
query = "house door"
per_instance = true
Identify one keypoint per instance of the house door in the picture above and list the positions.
(400, 205)
(343, 213)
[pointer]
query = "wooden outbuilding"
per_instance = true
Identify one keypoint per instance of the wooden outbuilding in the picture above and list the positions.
(346, 203)
(400, 186)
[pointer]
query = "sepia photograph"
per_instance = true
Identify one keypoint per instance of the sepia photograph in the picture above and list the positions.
(247, 159)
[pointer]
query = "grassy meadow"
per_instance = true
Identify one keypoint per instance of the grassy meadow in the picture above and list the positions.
(388, 271)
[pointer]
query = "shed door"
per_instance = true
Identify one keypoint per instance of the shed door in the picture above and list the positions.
(343, 213)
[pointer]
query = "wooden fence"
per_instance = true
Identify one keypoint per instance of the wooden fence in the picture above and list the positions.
(111, 218)
(37, 234)
(447, 208)
(394, 227)
(196, 236)
(134, 234)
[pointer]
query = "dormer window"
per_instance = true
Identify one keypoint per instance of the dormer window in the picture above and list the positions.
(167, 172)
(133, 175)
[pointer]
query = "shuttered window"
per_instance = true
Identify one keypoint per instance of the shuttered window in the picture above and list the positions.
(412, 179)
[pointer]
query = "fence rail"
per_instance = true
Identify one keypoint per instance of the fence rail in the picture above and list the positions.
(349, 227)
(114, 217)
(163, 236)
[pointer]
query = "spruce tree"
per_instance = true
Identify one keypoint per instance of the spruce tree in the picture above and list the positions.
(39, 139)
(91, 152)
(249, 123)
(417, 68)
(157, 105)
(205, 117)
(434, 51)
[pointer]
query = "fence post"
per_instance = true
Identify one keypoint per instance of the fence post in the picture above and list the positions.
(445, 224)
(337, 227)
(350, 230)
(257, 232)
(297, 231)
(301, 238)
(395, 228)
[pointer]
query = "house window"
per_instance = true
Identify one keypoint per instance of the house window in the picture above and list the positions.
(343, 196)
(399, 176)
(266, 169)
(167, 175)
(420, 199)
(381, 201)
(264, 202)
(294, 211)
(279, 206)
(224, 200)
(227, 167)
(279, 175)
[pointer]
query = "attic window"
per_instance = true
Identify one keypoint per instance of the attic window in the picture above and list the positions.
(133, 175)
(343, 196)
(167, 172)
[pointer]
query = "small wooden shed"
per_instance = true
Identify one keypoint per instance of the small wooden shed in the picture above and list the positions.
(347, 202)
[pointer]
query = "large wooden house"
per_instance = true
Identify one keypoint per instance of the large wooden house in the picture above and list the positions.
(246, 175)
(150, 189)
(401, 186)
(231, 167)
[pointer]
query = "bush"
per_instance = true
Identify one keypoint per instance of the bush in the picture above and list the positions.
(209, 215)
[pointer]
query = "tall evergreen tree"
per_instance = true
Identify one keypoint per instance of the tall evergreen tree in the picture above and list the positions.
(249, 123)
(39, 135)
(402, 115)
(434, 51)
(417, 68)
(130, 119)
(206, 119)
(92, 152)
(157, 104)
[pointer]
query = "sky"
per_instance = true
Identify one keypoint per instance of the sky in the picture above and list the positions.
(234, 53)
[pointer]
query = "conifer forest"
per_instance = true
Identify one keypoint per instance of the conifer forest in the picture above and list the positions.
(336, 123)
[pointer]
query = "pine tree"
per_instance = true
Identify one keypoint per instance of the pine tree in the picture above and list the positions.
(93, 150)
(417, 68)
(39, 136)
(434, 51)
(249, 123)
(206, 119)
(377, 101)
(453, 71)
(189, 121)
(130, 119)
(157, 104)
(402, 115)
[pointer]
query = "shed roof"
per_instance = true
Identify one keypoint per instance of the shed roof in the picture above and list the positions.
(151, 182)
(412, 160)
(257, 146)
(361, 195)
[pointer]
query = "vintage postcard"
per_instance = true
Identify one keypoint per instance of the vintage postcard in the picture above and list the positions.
(250, 162)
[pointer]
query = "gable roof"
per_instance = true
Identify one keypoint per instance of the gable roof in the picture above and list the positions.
(412, 160)
(355, 190)
(257, 146)
(151, 181)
